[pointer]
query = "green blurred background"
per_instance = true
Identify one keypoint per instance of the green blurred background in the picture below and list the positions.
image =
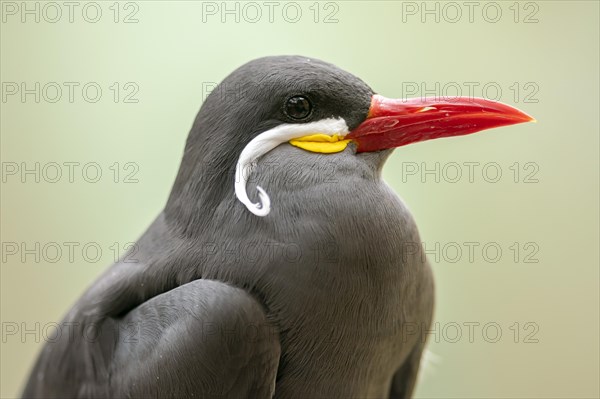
(542, 56)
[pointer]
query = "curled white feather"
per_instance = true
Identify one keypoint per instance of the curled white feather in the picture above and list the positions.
(264, 143)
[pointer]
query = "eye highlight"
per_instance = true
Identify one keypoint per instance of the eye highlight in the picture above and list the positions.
(298, 107)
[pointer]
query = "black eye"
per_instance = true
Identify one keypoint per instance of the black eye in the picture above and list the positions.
(298, 107)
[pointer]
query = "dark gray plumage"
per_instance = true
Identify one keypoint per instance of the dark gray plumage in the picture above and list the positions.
(310, 301)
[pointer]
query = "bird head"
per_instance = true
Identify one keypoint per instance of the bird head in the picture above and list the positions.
(319, 108)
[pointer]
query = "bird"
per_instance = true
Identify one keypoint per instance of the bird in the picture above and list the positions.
(278, 267)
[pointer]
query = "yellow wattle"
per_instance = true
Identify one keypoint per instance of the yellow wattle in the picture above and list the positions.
(322, 143)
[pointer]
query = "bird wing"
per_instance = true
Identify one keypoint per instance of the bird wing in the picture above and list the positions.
(405, 378)
(202, 339)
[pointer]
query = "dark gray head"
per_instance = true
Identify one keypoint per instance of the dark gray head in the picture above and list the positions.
(256, 97)
(275, 100)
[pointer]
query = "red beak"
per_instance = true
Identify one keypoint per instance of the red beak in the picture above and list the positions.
(394, 123)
